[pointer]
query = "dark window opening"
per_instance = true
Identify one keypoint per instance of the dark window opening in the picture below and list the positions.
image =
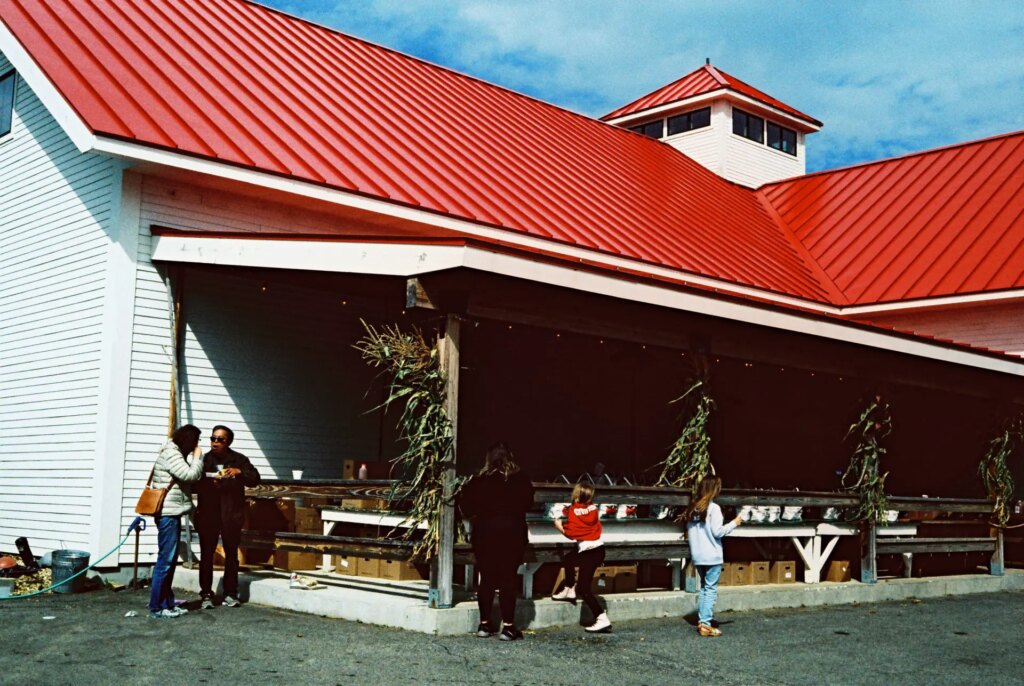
(6, 102)
(748, 126)
(688, 121)
(781, 138)
(654, 129)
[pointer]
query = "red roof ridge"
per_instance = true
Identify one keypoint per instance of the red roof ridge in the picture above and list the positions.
(836, 295)
(895, 158)
(717, 75)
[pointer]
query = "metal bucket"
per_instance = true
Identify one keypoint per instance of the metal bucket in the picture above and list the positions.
(65, 564)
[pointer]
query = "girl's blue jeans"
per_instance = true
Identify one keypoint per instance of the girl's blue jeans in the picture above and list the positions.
(709, 575)
(161, 597)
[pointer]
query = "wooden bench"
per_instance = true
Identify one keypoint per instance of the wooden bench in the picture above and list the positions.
(907, 547)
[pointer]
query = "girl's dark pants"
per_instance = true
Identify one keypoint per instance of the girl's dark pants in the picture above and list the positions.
(498, 566)
(588, 561)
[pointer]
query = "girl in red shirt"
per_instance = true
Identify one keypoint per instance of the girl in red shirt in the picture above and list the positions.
(583, 526)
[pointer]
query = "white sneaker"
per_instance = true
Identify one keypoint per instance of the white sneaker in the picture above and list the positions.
(601, 625)
(229, 601)
(163, 614)
(567, 593)
(207, 604)
(179, 611)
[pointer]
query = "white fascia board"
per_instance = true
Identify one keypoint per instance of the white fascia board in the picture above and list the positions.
(410, 260)
(998, 297)
(723, 93)
(134, 151)
(324, 256)
(52, 100)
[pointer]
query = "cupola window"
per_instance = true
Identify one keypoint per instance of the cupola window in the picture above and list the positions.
(748, 126)
(688, 121)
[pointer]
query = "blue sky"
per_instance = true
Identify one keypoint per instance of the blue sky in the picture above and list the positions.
(886, 78)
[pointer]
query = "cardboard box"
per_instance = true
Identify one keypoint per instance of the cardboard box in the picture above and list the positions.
(399, 570)
(626, 579)
(346, 565)
(304, 520)
(838, 570)
(295, 562)
(604, 581)
(740, 575)
(369, 567)
(758, 573)
(783, 572)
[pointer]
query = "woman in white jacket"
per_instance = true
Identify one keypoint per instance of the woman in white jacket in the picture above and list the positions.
(174, 471)
(705, 529)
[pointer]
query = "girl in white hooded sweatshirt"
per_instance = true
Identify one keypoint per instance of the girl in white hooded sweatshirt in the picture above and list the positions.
(705, 529)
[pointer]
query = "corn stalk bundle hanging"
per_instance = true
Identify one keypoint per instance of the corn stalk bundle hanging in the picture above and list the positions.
(689, 460)
(994, 472)
(863, 476)
(417, 383)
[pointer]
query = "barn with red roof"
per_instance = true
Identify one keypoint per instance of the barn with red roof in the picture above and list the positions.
(201, 202)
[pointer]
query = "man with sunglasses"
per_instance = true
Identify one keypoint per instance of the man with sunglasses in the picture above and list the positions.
(221, 512)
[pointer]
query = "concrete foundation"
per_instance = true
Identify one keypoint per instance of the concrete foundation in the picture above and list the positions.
(403, 604)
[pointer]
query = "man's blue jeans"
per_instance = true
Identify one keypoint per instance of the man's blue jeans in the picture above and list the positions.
(709, 576)
(161, 597)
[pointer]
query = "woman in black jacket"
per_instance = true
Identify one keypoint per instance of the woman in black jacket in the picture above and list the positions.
(496, 501)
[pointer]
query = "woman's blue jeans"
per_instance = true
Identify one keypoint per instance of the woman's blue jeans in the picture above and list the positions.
(709, 576)
(161, 597)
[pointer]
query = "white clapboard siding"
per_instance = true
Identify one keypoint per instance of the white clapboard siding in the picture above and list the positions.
(997, 327)
(55, 206)
(275, 366)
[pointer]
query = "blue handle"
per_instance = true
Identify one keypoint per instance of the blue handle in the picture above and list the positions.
(138, 524)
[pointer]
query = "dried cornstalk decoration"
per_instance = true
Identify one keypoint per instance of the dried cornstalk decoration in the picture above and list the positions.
(689, 460)
(416, 382)
(863, 475)
(994, 472)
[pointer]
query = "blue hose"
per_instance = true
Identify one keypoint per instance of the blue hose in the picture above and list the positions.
(137, 524)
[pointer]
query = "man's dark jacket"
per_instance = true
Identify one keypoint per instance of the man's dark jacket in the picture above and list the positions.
(222, 501)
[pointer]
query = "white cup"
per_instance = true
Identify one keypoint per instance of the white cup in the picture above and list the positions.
(296, 474)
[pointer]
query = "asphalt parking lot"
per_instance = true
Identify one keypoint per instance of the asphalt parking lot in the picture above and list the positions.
(86, 639)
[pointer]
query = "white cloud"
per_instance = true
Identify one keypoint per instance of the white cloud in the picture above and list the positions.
(885, 77)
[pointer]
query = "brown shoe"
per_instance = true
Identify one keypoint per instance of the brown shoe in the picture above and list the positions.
(708, 630)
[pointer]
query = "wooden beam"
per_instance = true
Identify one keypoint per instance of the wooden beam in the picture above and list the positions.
(442, 572)
(416, 295)
(379, 548)
(326, 488)
(176, 283)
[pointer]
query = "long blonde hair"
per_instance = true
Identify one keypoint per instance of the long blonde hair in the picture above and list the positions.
(583, 494)
(499, 460)
(707, 489)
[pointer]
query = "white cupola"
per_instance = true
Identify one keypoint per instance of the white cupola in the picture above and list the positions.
(728, 126)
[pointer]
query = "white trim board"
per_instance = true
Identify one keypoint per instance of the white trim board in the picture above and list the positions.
(52, 100)
(410, 260)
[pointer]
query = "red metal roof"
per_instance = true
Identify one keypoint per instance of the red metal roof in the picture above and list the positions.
(241, 83)
(936, 223)
(703, 80)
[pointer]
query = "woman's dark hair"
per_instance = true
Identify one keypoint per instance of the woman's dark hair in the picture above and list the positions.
(186, 438)
(707, 490)
(229, 432)
(499, 460)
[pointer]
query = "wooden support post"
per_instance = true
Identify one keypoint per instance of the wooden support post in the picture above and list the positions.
(442, 572)
(997, 567)
(868, 553)
(176, 283)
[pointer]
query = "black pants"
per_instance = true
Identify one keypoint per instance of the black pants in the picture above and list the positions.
(231, 535)
(498, 566)
(588, 561)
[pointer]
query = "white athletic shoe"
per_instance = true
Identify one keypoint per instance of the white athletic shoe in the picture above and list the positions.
(568, 593)
(601, 625)
(230, 601)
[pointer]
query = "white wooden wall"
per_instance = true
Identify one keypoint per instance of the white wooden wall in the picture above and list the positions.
(56, 207)
(276, 365)
(998, 327)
